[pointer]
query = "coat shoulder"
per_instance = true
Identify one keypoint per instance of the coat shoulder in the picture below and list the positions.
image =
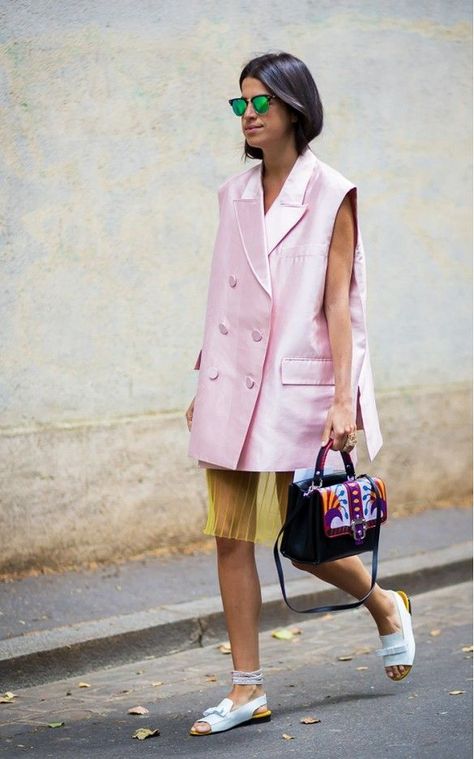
(236, 182)
(332, 179)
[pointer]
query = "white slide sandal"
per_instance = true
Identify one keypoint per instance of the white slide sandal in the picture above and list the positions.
(223, 717)
(399, 648)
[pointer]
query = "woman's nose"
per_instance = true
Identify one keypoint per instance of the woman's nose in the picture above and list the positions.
(250, 112)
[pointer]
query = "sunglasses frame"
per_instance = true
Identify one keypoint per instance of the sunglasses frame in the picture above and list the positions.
(250, 100)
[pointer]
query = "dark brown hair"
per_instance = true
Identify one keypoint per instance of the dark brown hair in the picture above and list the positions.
(291, 80)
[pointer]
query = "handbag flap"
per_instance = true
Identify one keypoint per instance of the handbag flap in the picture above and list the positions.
(350, 507)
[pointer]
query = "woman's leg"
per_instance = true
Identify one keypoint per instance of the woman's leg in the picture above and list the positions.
(242, 600)
(350, 575)
(233, 512)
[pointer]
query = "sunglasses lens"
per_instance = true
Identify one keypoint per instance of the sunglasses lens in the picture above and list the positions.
(260, 103)
(238, 106)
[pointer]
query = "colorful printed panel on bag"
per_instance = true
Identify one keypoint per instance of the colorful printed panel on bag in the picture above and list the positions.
(351, 500)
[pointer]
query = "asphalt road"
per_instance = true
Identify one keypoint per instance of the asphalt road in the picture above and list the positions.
(362, 713)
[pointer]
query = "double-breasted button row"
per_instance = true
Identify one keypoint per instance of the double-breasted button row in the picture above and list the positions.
(213, 374)
(256, 334)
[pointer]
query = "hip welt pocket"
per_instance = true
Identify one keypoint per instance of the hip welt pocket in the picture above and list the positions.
(307, 371)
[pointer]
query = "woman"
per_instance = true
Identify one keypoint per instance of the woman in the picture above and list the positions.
(284, 363)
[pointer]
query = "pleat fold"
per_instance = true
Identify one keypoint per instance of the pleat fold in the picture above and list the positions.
(246, 505)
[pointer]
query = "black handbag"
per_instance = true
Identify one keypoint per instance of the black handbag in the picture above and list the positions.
(331, 516)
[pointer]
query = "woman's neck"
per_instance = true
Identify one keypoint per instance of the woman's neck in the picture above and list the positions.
(278, 162)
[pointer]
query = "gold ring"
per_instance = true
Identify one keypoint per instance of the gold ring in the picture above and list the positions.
(351, 440)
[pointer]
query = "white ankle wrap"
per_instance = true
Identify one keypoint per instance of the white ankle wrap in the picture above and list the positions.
(247, 678)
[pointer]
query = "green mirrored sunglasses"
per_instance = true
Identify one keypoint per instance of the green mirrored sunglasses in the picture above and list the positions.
(261, 104)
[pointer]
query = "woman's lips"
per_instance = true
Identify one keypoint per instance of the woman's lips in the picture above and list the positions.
(252, 128)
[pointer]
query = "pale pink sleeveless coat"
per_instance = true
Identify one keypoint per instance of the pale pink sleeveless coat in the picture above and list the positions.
(266, 377)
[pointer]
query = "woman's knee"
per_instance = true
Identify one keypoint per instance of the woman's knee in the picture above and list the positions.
(234, 547)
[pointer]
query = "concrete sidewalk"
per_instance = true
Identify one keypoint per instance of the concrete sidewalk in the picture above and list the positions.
(58, 625)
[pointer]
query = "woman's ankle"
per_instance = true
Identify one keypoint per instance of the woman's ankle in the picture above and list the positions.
(384, 612)
(247, 691)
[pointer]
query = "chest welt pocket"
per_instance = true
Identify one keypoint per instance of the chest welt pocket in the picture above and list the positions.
(287, 250)
(307, 371)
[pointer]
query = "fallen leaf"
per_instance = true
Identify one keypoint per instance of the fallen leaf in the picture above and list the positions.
(327, 616)
(211, 678)
(139, 672)
(145, 732)
(295, 630)
(435, 633)
(138, 710)
(310, 720)
(224, 648)
(158, 682)
(361, 669)
(83, 685)
(283, 634)
(287, 737)
(456, 692)
(7, 697)
(413, 695)
(55, 724)
(363, 650)
(468, 649)
(344, 658)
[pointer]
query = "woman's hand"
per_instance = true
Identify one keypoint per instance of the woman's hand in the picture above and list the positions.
(340, 422)
(189, 413)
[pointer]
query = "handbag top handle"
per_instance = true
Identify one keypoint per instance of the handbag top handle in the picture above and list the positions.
(321, 460)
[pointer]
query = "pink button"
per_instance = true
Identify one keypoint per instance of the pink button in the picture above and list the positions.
(223, 328)
(213, 373)
(256, 335)
(232, 280)
(249, 382)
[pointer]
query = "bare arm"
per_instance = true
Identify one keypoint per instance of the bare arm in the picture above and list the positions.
(337, 311)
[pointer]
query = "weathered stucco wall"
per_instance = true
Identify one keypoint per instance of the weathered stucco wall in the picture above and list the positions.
(115, 134)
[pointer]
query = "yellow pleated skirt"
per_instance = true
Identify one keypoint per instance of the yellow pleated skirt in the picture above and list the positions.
(246, 505)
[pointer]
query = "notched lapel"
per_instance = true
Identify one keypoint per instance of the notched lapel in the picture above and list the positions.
(281, 218)
(289, 207)
(249, 213)
(261, 235)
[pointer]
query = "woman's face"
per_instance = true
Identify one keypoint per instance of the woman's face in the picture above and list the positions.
(267, 129)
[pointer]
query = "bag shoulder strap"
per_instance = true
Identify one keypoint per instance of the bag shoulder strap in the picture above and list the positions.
(375, 552)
